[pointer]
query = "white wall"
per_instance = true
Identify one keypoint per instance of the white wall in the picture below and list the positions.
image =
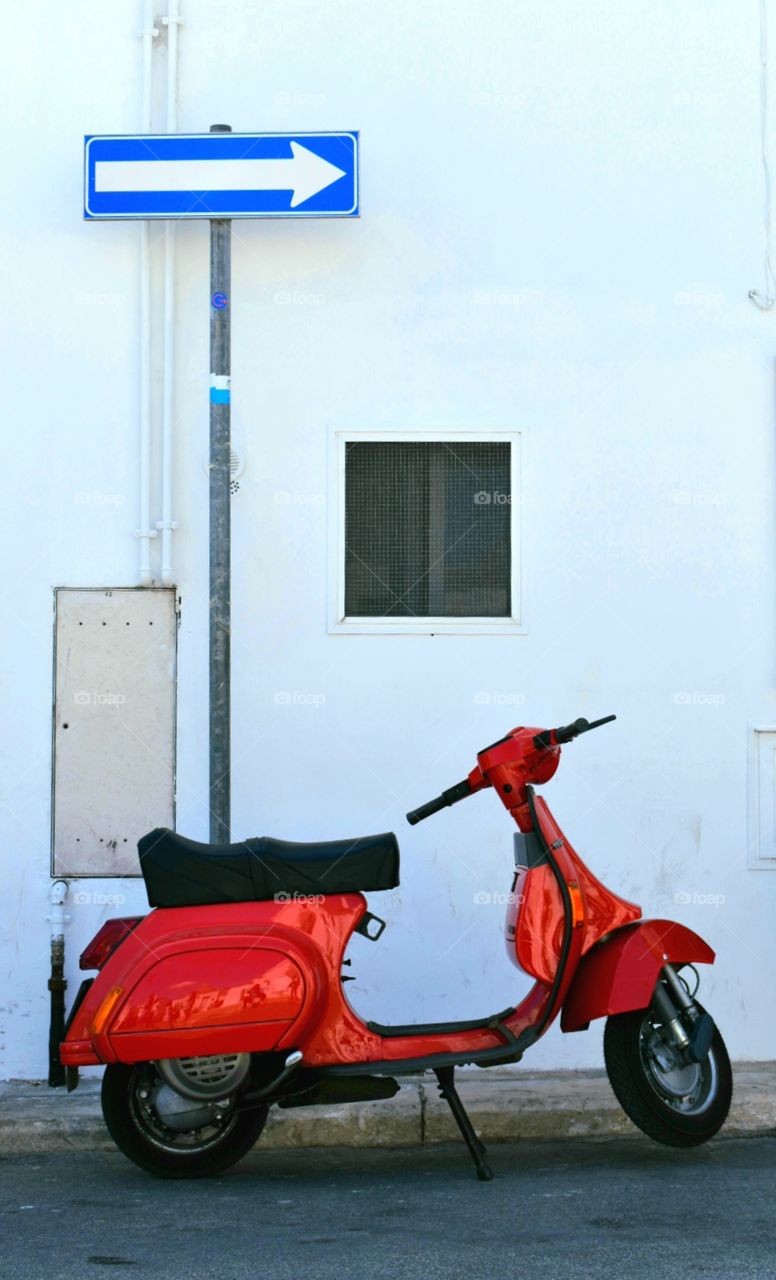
(561, 219)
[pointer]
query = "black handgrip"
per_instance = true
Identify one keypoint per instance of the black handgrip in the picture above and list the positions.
(453, 794)
(567, 732)
(425, 810)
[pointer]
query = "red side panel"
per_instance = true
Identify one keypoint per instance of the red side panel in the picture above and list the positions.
(192, 997)
(214, 988)
(620, 973)
(201, 980)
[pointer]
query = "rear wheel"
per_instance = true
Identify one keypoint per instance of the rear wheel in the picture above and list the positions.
(676, 1102)
(169, 1135)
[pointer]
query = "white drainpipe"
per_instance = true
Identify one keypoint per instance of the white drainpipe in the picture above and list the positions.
(58, 916)
(172, 21)
(145, 533)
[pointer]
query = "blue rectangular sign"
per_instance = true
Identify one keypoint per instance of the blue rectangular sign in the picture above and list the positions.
(221, 175)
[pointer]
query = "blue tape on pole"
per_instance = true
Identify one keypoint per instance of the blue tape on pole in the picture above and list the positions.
(218, 396)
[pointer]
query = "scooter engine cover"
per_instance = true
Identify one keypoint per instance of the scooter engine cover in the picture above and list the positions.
(205, 1079)
(181, 1114)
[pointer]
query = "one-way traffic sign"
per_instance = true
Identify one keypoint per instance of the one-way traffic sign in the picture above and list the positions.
(221, 175)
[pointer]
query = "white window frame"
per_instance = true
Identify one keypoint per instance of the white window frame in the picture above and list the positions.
(761, 855)
(339, 623)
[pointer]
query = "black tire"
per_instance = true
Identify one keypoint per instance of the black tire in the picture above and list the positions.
(139, 1132)
(680, 1105)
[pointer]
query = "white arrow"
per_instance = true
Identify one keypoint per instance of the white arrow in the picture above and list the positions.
(305, 174)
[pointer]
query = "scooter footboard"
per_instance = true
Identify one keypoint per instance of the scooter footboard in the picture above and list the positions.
(620, 973)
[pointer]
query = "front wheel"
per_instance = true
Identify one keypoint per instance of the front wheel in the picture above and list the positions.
(676, 1102)
(169, 1135)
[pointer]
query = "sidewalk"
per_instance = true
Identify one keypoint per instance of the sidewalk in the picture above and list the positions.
(505, 1105)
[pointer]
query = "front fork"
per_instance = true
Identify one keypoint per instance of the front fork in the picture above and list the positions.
(688, 1026)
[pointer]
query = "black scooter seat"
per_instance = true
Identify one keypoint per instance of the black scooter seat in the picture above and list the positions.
(179, 872)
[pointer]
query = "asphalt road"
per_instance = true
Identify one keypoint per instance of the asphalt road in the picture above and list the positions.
(619, 1208)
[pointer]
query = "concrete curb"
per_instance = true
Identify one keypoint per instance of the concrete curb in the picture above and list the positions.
(505, 1105)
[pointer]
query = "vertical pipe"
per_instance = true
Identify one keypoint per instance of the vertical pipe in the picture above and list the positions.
(220, 479)
(167, 524)
(145, 533)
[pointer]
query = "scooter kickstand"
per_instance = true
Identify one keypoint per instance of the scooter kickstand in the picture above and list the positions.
(446, 1081)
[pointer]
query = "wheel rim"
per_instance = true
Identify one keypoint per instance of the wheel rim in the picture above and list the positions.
(144, 1088)
(688, 1088)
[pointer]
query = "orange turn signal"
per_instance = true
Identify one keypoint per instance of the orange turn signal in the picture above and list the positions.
(102, 1016)
(577, 904)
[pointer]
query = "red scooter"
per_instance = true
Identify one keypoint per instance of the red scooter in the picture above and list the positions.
(228, 997)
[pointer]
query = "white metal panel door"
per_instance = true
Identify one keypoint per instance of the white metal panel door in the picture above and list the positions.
(114, 726)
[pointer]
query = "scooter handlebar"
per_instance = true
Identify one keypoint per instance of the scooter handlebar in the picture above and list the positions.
(547, 738)
(453, 794)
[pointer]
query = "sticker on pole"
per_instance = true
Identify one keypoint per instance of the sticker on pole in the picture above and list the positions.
(221, 175)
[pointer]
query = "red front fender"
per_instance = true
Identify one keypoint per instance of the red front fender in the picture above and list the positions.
(620, 973)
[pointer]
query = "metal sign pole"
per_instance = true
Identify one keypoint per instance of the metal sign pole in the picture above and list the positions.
(219, 176)
(220, 534)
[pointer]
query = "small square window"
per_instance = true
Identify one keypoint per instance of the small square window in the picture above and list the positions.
(427, 532)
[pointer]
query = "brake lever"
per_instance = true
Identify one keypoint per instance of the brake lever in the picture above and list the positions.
(596, 723)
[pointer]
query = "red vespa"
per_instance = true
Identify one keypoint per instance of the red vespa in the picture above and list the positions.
(228, 997)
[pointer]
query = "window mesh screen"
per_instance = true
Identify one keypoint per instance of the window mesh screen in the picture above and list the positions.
(427, 530)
